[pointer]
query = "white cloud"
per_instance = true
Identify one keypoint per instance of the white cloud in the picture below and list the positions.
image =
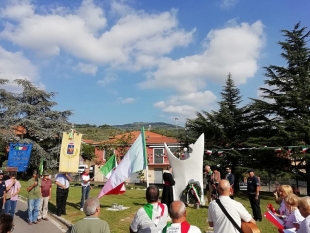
(126, 100)
(228, 3)
(86, 68)
(109, 77)
(16, 66)
(233, 49)
(187, 105)
(134, 41)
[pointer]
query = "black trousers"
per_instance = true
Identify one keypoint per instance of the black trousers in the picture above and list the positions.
(61, 200)
(1, 204)
(255, 205)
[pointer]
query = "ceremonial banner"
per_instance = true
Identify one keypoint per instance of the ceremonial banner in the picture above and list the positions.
(70, 152)
(19, 156)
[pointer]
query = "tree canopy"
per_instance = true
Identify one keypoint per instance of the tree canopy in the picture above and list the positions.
(31, 111)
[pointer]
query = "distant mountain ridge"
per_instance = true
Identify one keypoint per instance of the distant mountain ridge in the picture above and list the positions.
(146, 125)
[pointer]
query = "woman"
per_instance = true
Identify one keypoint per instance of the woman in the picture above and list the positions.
(294, 216)
(284, 192)
(6, 223)
(304, 208)
(12, 186)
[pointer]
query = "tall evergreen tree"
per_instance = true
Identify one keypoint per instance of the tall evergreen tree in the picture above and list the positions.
(41, 125)
(228, 129)
(286, 99)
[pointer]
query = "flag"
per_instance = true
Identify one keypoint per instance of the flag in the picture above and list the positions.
(109, 166)
(209, 152)
(135, 160)
(41, 166)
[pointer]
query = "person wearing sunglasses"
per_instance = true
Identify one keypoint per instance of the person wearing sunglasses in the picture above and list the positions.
(6, 223)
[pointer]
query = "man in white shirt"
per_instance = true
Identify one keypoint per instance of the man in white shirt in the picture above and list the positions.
(85, 187)
(179, 224)
(152, 217)
(216, 217)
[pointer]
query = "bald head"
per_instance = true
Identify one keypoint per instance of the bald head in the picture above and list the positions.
(177, 211)
(224, 188)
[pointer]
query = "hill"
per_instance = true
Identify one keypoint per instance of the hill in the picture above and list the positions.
(103, 132)
(146, 125)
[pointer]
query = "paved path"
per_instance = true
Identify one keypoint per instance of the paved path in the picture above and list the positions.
(21, 224)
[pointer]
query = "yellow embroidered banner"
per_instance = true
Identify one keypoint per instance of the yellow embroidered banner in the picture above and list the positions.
(70, 152)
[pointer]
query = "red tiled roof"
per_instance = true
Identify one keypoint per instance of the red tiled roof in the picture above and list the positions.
(150, 137)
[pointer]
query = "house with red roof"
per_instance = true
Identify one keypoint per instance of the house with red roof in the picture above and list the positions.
(156, 153)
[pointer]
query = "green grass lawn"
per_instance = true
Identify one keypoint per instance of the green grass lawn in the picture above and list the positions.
(119, 221)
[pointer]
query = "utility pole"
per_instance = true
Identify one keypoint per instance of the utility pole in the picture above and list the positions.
(176, 123)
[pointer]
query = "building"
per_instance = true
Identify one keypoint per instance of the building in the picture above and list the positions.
(156, 154)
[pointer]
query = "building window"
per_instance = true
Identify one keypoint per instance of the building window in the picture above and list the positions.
(158, 155)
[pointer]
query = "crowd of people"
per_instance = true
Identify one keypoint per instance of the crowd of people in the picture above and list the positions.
(165, 216)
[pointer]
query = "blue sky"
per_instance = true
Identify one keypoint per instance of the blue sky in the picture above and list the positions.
(116, 62)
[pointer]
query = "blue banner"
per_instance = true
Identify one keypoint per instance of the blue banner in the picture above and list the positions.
(19, 156)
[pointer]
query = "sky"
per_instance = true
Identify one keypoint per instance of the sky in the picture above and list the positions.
(116, 62)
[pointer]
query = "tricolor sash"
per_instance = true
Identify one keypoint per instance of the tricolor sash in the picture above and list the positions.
(182, 228)
(152, 213)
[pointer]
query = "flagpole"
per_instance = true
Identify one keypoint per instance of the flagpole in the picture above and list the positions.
(145, 157)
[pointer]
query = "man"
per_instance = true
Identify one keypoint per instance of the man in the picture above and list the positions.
(2, 190)
(34, 196)
(177, 212)
(209, 181)
(304, 209)
(216, 180)
(85, 187)
(253, 194)
(216, 217)
(91, 223)
(167, 195)
(231, 179)
(46, 193)
(152, 217)
(13, 187)
(63, 183)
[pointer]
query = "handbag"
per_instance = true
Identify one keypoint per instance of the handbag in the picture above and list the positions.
(8, 195)
(228, 216)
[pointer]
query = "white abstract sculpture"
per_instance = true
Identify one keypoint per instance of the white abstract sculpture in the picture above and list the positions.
(190, 169)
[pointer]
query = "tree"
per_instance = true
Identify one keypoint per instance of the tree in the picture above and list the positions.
(285, 103)
(30, 111)
(228, 128)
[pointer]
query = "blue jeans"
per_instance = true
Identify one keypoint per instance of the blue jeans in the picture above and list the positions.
(85, 194)
(10, 206)
(33, 209)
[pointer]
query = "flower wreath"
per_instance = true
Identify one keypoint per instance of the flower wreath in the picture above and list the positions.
(193, 192)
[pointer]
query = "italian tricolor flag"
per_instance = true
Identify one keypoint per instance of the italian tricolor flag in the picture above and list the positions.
(20, 148)
(107, 170)
(134, 161)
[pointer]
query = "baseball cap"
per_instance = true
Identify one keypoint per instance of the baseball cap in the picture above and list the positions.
(250, 170)
(1, 172)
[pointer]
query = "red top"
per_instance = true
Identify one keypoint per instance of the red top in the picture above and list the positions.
(45, 187)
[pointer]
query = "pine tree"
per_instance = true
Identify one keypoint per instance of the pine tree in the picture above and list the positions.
(42, 126)
(286, 99)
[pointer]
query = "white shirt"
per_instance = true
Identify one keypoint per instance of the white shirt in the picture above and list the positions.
(235, 209)
(143, 224)
(85, 177)
(304, 226)
(176, 228)
(295, 216)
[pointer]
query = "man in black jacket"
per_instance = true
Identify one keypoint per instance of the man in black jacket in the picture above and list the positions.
(253, 193)
(231, 179)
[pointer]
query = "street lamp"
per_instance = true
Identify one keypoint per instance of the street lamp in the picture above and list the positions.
(176, 123)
